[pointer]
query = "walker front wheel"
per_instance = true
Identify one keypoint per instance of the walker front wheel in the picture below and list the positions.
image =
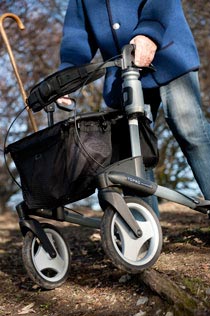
(47, 272)
(125, 250)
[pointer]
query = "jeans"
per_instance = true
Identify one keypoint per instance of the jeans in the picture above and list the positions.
(182, 109)
(151, 199)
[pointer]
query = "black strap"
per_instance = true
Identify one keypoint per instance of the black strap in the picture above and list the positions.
(64, 82)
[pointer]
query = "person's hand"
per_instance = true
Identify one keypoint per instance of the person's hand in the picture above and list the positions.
(145, 50)
(65, 100)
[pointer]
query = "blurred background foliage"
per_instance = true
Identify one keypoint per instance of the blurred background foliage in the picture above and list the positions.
(36, 50)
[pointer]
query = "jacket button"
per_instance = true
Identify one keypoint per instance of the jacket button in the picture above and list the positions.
(116, 26)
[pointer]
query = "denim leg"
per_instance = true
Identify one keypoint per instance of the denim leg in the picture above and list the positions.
(182, 108)
(152, 199)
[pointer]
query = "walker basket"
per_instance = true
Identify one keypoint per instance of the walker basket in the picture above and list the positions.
(59, 164)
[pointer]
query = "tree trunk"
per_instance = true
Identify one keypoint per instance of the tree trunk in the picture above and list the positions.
(183, 302)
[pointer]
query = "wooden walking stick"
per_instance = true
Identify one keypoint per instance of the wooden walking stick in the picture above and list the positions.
(12, 59)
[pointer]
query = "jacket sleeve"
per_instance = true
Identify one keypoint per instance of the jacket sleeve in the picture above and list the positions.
(154, 18)
(78, 45)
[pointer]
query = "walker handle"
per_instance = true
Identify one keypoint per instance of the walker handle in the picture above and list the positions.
(128, 52)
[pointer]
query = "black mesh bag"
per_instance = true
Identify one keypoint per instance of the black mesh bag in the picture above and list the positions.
(56, 167)
(59, 164)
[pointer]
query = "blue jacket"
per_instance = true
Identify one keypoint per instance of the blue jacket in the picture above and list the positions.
(110, 24)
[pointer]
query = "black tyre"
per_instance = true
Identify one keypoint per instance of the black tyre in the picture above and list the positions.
(45, 271)
(125, 250)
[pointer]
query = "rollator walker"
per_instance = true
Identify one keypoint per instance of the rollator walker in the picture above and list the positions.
(131, 234)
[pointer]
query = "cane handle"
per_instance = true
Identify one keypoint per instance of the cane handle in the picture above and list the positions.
(12, 59)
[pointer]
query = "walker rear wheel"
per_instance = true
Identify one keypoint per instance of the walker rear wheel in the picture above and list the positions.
(125, 250)
(47, 272)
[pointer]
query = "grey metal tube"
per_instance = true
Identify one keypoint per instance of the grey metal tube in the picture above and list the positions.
(82, 220)
(134, 137)
(136, 144)
(175, 196)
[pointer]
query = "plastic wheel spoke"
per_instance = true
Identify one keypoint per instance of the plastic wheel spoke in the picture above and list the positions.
(43, 260)
(131, 247)
(147, 229)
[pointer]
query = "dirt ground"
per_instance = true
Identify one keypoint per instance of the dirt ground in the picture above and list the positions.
(95, 287)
